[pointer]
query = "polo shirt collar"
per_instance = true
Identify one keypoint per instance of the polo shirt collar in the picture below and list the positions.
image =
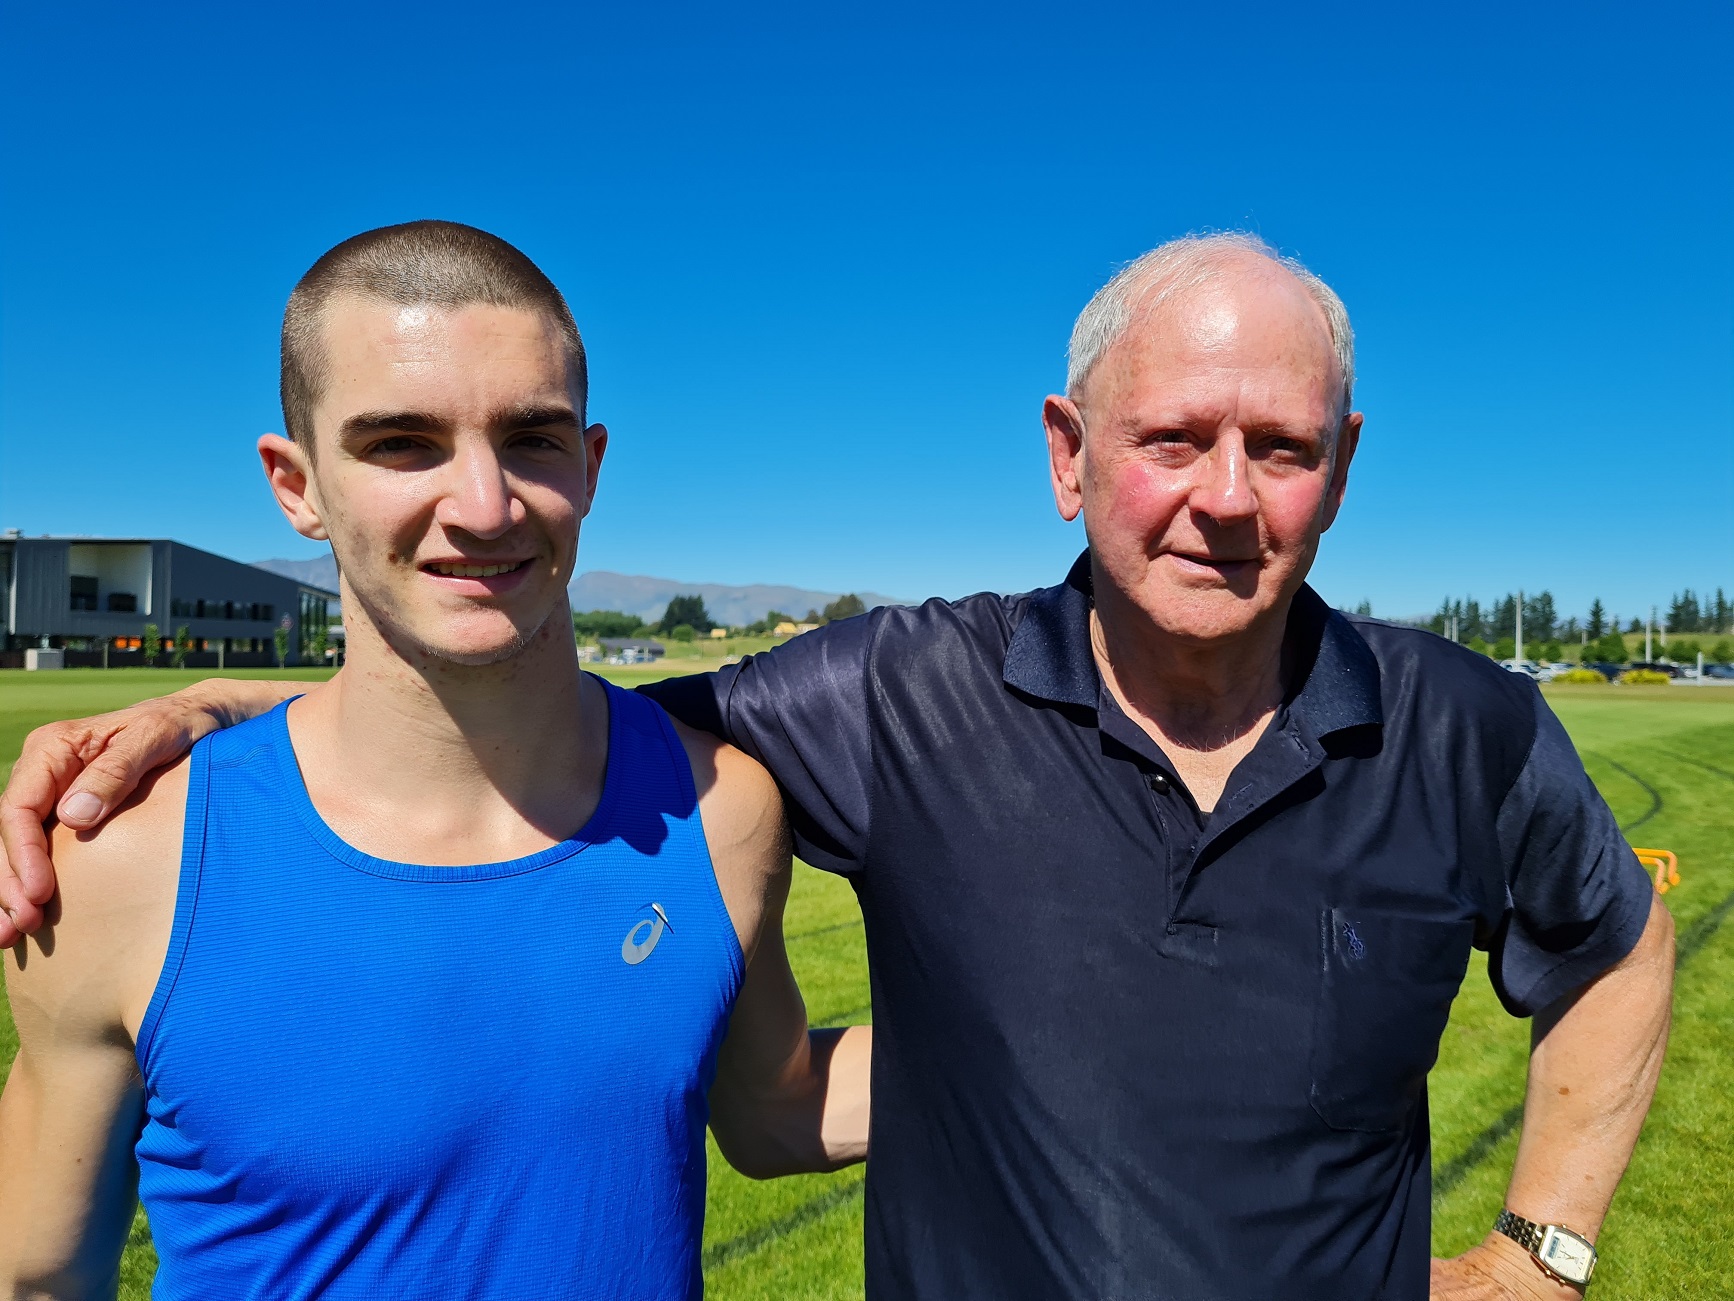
(1340, 688)
(1050, 657)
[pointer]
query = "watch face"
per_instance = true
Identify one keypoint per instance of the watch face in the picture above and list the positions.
(1567, 1255)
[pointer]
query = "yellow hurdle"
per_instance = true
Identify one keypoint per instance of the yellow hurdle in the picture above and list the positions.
(1664, 864)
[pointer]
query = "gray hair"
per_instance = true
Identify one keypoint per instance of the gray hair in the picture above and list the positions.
(1175, 267)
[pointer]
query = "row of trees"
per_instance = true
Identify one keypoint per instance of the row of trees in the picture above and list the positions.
(844, 607)
(153, 645)
(1714, 614)
(1599, 636)
(1469, 621)
(685, 617)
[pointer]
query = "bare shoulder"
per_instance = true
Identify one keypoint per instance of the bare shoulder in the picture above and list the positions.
(744, 827)
(108, 925)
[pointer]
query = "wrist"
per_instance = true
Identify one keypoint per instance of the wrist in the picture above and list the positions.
(1521, 1273)
(228, 701)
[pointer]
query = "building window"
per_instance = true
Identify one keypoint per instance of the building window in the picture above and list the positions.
(122, 603)
(83, 593)
(315, 618)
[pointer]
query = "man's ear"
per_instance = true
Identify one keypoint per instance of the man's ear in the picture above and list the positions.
(595, 447)
(1064, 424)
(1348, 439)
(286, 466)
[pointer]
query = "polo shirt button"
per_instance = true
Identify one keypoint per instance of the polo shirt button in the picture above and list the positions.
(1174, 930)
(1158, 782)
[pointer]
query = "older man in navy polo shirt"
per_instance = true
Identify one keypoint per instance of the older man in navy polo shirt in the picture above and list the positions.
(1170, 873)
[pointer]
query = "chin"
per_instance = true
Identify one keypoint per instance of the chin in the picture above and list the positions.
(1203, 615)
(476, 658)
(495, 643)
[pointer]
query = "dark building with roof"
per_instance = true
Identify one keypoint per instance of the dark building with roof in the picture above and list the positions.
(95, 597)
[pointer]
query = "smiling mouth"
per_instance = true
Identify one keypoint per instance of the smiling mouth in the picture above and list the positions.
(446, 570)
(1215, 562)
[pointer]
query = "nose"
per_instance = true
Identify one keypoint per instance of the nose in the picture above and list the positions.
(479, 499)
(1223, 489)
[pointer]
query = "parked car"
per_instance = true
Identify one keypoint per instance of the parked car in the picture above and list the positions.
(1527, 667)
(1608, 670)
(1723, 671)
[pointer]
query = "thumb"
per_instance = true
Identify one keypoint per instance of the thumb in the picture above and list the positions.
(130, 756)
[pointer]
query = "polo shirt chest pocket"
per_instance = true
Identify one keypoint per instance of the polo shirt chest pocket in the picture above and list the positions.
(1385, 991)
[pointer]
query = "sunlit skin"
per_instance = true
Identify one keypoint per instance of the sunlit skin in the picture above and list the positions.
(1207, 453)
(445, 437)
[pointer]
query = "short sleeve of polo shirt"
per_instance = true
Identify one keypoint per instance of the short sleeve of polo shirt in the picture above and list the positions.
(1577, 897)
(801, 710)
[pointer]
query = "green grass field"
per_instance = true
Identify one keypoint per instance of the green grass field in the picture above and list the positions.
(1664, 757)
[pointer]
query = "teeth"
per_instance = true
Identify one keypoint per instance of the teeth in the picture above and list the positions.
(471, 571)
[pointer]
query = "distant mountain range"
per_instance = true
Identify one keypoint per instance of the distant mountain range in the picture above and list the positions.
(319, 573)
(648, 597)
(638, 594)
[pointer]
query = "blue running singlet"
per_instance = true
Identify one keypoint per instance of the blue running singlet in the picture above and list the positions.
(375, 1079)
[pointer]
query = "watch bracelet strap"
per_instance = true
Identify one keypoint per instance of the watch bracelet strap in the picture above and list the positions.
(1525, 1233)
(1529, 1235)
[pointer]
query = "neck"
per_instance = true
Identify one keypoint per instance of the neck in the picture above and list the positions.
(1197, 695)
(465, 763)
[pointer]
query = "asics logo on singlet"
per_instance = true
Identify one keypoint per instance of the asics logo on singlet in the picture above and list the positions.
(642, 938)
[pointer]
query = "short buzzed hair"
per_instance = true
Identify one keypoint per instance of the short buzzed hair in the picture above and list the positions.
(433, 263)
(1179, 265)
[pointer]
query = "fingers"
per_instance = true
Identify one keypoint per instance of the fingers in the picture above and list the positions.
(148, 737)
(102, 786)
(86, 767)
(51, 758)
(14, 908)
(26, 877)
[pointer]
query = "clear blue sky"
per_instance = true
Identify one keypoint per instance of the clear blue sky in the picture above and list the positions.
(826, 258)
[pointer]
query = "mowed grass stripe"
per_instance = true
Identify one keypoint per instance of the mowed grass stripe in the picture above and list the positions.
(806, 1213)
(823, 930)
(1651, 791)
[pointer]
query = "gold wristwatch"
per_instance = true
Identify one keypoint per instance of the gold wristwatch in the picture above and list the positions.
(1569, 1257)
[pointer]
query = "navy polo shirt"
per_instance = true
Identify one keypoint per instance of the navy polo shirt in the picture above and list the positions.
(1123, 1048)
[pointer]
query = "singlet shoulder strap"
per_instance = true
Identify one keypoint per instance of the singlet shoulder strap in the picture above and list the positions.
(650, 748)
(193, 828)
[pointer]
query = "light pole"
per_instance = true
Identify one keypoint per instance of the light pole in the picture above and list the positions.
(1648, 624)
(1519, 660)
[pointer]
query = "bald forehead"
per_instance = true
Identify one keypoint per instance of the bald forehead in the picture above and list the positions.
(1253, 314)
(1249, 293)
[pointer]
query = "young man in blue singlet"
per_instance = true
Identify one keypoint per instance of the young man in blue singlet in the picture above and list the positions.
(369, 1102)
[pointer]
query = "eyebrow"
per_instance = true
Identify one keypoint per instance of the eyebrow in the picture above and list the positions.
(378, 422)
(537, 417)
(531, 416)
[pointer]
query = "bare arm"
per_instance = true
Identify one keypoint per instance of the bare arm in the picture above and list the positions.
(74, 1101)
(1594, 1060)
(68, 1117)
(83, 769)
(787, 1099)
